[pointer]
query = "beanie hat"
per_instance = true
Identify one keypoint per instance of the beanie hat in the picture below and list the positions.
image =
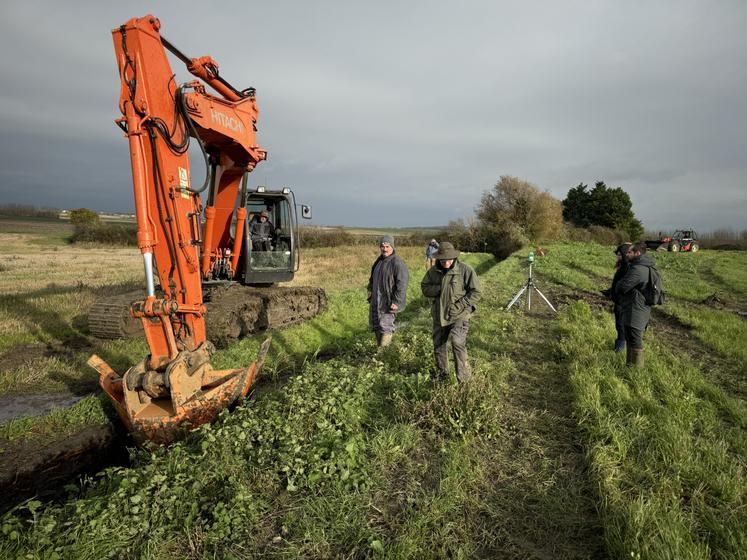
(388, 239)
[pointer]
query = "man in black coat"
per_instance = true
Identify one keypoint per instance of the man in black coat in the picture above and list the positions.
(634, 310)
(262, 233)
(387, 291)
(621, 269)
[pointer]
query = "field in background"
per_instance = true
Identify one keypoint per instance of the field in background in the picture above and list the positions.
(556, 451)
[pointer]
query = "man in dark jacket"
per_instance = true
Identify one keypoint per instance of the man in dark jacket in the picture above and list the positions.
(262, 232)
(455, 290)
(387, 291)
(621, 269)
(635, 313)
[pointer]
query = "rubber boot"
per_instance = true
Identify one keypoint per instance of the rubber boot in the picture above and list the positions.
(619, 345)
(628, 356)
(638, 357)
(378, 338)
(386, 339)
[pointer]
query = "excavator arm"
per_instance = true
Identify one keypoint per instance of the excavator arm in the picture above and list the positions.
(175, 383)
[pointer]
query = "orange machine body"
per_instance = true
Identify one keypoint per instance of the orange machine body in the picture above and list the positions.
(159, 117)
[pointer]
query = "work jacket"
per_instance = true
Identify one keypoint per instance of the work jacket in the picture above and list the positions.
(455, 292)
(261, 231)
(390, 275)
(620, 273)
(633, 309)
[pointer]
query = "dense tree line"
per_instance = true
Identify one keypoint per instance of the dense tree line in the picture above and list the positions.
(515, 213)
(28, 211)
(601, 206)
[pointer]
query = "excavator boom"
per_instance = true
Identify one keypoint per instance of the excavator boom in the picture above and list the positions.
(175, 384)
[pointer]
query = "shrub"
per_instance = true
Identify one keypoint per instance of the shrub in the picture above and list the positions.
(83, 217)
(598, 234)
(111, 234)
(499, 240)
(518, 208)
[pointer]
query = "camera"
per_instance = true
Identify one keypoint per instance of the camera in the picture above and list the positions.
(530, 259)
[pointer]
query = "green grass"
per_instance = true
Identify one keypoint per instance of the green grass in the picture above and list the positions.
(667, 447)
(556, 450)
(59, 423)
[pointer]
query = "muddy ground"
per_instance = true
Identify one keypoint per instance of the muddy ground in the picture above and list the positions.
(30, 470)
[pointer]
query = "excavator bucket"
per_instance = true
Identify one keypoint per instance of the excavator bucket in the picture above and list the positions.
(162, 407)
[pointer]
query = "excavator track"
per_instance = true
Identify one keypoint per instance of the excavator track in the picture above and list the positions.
(110, 318)
(234, 311)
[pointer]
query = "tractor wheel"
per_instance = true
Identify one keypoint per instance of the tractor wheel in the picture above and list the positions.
(674, 247)
(694, 248)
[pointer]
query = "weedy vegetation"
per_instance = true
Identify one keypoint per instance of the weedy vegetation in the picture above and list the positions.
(555, 450)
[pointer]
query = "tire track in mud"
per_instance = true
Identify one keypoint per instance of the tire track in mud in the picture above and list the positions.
(670, 331)
(543, 492)
(542, 495)
(725, 372)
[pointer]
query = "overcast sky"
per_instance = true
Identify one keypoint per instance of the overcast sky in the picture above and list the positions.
(400, 113)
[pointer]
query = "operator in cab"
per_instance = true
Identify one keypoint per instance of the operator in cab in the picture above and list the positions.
(262, 233)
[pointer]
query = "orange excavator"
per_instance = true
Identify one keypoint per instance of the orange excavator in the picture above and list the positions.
(175, 388)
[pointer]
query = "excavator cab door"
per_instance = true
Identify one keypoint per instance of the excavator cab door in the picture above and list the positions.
(270, 243)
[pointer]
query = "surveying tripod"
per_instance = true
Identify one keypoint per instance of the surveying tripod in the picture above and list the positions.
(528, 287)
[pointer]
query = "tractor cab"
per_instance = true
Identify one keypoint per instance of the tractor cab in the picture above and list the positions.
(684, 240)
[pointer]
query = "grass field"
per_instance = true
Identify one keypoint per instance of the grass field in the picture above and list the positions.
(556, 450)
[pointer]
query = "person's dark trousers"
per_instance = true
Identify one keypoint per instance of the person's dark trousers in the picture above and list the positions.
(634, 342)
(634, 337)
(620, 328)
(457, 334)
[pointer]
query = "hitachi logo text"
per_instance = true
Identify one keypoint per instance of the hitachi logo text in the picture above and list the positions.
(226, 121)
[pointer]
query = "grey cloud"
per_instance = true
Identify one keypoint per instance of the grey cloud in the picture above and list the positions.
(393, 113)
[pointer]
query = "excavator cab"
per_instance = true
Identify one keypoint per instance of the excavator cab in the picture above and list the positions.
(271, 249)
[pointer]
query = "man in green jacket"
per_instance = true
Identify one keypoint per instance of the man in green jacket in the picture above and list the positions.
(455, 290)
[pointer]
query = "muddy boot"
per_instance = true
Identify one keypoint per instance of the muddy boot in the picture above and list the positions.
(638, 357)
(628, 356)
(386, 339)
(619, 345)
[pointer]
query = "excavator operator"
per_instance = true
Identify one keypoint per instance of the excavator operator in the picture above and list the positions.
(262, 233)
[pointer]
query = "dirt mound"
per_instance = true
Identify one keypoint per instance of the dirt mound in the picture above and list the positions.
(28, 469)
(233, 311)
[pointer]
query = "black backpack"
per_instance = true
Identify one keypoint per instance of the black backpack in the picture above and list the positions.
(653, 291)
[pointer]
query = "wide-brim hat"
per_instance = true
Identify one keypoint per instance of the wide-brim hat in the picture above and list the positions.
(446, 252)
(264, 213)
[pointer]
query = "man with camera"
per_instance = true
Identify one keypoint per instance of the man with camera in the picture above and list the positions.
(455, 290)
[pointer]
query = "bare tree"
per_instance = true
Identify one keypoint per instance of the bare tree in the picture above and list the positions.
(515, 203)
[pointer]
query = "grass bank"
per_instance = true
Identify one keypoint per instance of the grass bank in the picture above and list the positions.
(555, 451)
